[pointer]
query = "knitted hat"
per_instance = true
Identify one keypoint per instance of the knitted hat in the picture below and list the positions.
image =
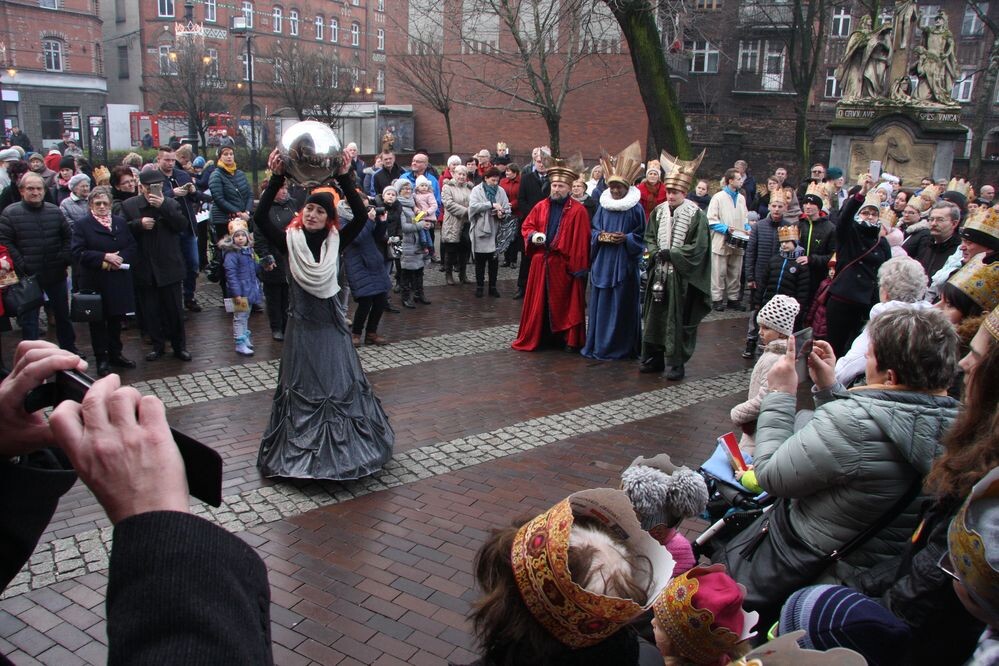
(390, 187)
(983, 228)
(979, 281)
(662, 493)
(956, 198)
(400, 183)
(834, 173)
(423, 180)
(77, 179)
(835, 616)
(812, 199)
(779, 314)
(325, 200)
(222, 149)
(701, 611)
(54, 152)
(199, 162)
(9, 155)
(973, 541)
(67, 162)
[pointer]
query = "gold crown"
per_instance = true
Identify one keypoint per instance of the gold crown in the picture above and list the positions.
(991, 324)
(237, 224)
(969, 550)
(679, 174)
(979, 281)
(564, 170)
(821, 190)
(982, 227)
(962, 186)
(778, 196)
(625, 167)
(788, 232)
(873, 198)
(888, 217)
(925, 199)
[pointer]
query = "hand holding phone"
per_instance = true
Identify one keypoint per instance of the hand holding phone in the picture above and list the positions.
(803, 347)
(156, 189)
(875, 169)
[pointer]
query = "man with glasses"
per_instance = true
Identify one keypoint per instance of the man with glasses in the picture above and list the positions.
(932, 247)
(816, 175)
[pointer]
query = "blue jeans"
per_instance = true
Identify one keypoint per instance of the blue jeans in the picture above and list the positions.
(59, 302)
(189, 249)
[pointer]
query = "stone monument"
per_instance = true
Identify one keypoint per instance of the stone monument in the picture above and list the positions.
(896, 105)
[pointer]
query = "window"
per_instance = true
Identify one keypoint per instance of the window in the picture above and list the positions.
(167, 60)
(709, 5)
(278, 71)
(832, 85)
(749, 56)
(48, 4)
(211, 14)
(355, 34)
(380, 81)
(972, 25)
(334, 30)
(320, 25)
(380, 36)
(704, 58)
(926, 14)
(53, 121)
(123, 62)
(99, 58)
(355, 2)
(963, 86)
(293, 22)
(119, 11)
(841, 22)
(277, 19)
(248, 13)
(52, 48)
(247, 67)
(335, 79)
(165, 8)
(213, 66)
(355, 76)
(773, 66)
(380, 6)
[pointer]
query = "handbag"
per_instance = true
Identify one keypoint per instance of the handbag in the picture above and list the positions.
(23, 297)
(85, 307)
(772, 561)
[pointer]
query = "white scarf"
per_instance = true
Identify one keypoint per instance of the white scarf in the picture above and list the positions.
(319, 279)
(627, 202)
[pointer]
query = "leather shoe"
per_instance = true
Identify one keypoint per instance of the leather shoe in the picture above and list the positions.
(651, 364)
(375, 339)
(183, 355)
(120, 361)
(675, 373)
(355, 339)
(277, 335)
(103, 369)
(193, 305)
(154, 355)
(391, 308)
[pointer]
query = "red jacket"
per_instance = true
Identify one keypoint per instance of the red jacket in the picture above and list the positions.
(512, 188)
(650, 198)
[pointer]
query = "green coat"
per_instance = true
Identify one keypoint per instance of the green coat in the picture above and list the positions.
(672, 324)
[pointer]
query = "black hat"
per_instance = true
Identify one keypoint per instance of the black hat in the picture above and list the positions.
(151, 176)
(957, 199)
(68, 162)
(324, 199)
(812, 199)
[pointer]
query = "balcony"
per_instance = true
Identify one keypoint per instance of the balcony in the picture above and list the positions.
(754, 83)
(766, 15)
(679, 66)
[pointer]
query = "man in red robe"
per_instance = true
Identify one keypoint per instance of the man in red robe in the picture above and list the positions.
(557, 237)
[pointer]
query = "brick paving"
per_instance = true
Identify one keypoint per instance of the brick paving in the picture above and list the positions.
(377, 571)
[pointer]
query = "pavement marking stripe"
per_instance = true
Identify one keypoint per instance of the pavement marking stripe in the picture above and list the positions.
(88, 552)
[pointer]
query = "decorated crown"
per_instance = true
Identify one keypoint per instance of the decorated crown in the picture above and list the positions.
(980, 281)
(925, 199)
(785, 649)
(982, 227)
(788, 232)
(888, 217)
(564, 170)
(237, 224)
(626, 166)
(778, 196)
(873, 198)
(991, 323)
(971, 534)
(679, 174)
(961, 186)
(702, 612)
(577, 617)
(821, 190)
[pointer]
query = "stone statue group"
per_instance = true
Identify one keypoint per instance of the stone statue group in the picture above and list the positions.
(876, 63)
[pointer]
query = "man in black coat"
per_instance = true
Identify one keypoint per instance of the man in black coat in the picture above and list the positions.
(38, 238)
(817, 239)
(157, 222)
(390, 172)
(180, 187)
(534, 187)
(934, 246)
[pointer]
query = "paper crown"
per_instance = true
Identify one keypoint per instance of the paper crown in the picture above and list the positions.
(982, 227)
(679, 174)
(873, 198)
(972, 538)
(654, 165)
(888, 217)
(574, 616)
(925, 199)
(821, 190)
(991, 323)
(788, 232)
(961, 186)
(979, 281)
(702, 612)
(777, 196)
(237, 224)
(626, 166)
(785, 650)
(564, 170)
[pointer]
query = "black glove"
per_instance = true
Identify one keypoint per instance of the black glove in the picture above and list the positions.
(662, 256)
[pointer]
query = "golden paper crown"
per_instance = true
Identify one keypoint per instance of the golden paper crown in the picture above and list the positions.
(788, 232)
(962, 186)
(626, 166)
(888, 217)
(980, 281)
(982, 227)
(969, 554)
(925, 199)
(873, 198)
(679, 174)
(691, 629)
(237, 224)
(991, 324)
(564, 170)
(820, 190)
(778, 196)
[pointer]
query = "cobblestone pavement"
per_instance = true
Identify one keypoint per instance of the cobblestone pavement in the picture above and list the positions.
(378, 570)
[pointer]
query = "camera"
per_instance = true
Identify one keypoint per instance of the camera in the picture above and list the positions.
(373, 205)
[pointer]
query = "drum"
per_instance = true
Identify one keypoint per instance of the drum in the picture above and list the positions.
(738, 240)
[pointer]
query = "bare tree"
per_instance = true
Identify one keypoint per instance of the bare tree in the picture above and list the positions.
(427, 72)
(309, 81)
(986, 88)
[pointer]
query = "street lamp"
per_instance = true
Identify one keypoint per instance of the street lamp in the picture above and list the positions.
(241, 27)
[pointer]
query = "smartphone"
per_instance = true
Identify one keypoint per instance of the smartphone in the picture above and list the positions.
(802, 348)
(875, 169)
(156, 189)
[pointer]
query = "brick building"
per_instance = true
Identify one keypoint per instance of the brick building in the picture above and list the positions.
(52, 75)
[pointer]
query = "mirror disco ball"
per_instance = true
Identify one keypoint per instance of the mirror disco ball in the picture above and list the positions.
(312, 153)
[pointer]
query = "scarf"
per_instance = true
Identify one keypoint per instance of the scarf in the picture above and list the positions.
(105, 220)
(230, 171)
(318, 279)
(490, 191)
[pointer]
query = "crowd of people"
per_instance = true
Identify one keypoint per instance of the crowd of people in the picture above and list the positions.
(883, 498)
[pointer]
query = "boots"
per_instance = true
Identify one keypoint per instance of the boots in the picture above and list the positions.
(103, 366)
(418, 288)
(449, 277)
(241, 347)
(462, 273)
(493, 291)
(241, 334)
(750, 349)
(407, 298)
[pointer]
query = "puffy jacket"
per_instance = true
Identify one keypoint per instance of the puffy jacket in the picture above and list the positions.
(365, 261)
(763, 244)
(818, 240)
(230, 194)
(38, 240)
(861, 452)
(455, 199)
(241, 271)
(412, 252)
(784, 275)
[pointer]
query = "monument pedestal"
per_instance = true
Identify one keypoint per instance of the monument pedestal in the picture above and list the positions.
(910, 142)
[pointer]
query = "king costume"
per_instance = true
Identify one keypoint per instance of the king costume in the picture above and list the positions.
(554, 309)
(678, 243)
(615, 330)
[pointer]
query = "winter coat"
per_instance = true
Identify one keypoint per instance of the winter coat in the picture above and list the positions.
(861, 451)
(91, 241)
(733, 214)
(818, 240)
(426, 203)
(484, 222)
(930, 254)
(189, 203)
(786, 276)
(280, 215)
(859, 284)
(652, 196)
(365, 261)
(412, 251)
(74, 209)
(38, 240)
(763, 245)
(748, 411)
(385, 177)
(240, 271)
(160, 262)
(230, 195)
(455, 199)
(532, 190)
(512, 188)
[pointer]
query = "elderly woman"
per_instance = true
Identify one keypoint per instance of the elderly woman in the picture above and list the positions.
(901, 284)
(859, 461)
(487, 206)
(74, 207)
(103, 248)
(455, 196)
